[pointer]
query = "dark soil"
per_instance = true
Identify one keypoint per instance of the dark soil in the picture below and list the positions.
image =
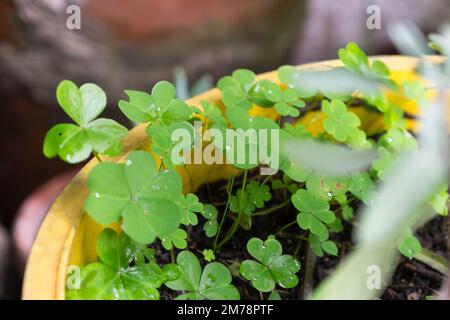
(411, 281)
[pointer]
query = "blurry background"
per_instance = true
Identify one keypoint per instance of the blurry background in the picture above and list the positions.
(133, 44)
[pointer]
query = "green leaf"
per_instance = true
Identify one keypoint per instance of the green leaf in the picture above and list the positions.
(69, 98)
(314, 212)
(208, 254)
(440, 200)
(326, 188)
(113, 278)
(176, 239)
(264, 92)
(272, 267)
(116, 250)
(213, 283)
(213, 113)
(362, 186)
(189, 206)
(211, 226)
(258, 194)
(398, 140)
(235, 88)
(241, 203)
(104, 135)
(137, 192)
(74, 143)
(81, 105)
(258, 274)
(330, 247)
(141, 108)
(340, 123)
(163, 93)
(410, 245)
(274, 295)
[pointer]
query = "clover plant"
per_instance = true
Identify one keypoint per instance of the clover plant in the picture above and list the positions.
(163, 227)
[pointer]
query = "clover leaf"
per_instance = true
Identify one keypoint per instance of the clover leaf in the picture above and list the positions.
(162, 143)
(284, 183)
(384, 162)
(211, 226)
(160, 107)
(313, 212)
(340, 123)
(208, 254)
(235, 88)
(320, 244)
(357, 62)
(409, 245)
(138, 193)
(440, 201)
(362, 186)
(212, 113)
(347, 212)
(398, 140)
(258, 194)
(240, 203)
(114, 278)
(325, 187)
(286, 102)
(274, 295)
(266, 93)
(243, 147)
(189, 206)
(74, 143)
(271, 267)
(214, 283)
(176, 239)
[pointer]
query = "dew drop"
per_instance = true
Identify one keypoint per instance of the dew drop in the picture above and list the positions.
(228, 146)
(128, 163)
(97, 195)
(330, 194)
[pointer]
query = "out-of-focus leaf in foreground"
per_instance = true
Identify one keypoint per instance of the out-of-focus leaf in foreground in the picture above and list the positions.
(330, 159)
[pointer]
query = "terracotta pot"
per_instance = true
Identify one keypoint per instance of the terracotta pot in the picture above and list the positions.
(67, 236)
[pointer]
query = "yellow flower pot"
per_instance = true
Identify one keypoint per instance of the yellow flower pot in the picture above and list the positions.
(67, 236)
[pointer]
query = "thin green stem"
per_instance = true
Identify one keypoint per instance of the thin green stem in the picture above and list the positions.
(290, 224)
(229, 188)
(271, 209)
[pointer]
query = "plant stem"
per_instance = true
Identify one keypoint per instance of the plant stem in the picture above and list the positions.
(271, 209)
(97, 156)
(286, 226)
(236, 222)
(229, 188)
(310, 263)
(432, 260)
(172, 255)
